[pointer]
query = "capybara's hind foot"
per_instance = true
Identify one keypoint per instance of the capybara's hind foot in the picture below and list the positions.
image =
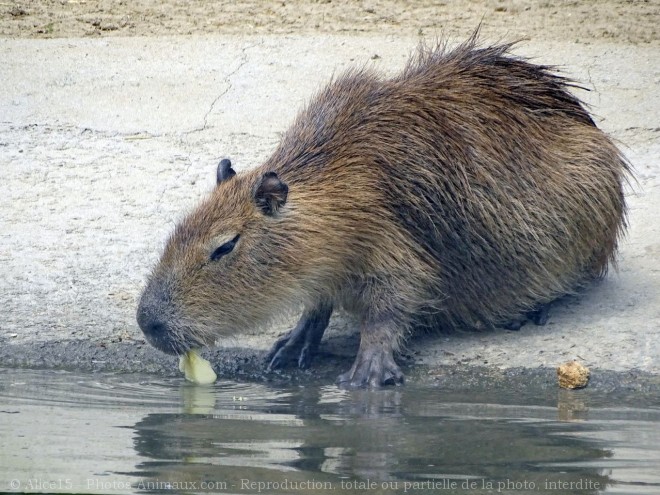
(538, 316)
(515, 325)
(373, 367)
(301, 343)
(541, 315)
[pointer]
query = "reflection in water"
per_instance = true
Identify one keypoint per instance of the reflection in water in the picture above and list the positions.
(168, 435)
(395, 436)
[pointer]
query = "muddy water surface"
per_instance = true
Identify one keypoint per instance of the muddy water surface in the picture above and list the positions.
(117, 433)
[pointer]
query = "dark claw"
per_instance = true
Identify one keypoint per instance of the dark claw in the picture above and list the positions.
(306, 356)
(278, 358)
(277, 346)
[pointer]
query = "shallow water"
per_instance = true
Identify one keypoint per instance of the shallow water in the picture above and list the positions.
(112, 433)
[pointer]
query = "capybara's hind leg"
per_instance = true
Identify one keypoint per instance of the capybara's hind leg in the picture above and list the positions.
(374, 365)
(301, 343)
(540, 316)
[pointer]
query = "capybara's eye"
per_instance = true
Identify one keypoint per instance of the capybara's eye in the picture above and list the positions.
(225, 248)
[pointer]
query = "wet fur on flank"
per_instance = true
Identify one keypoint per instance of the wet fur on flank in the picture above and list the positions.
(466, 191)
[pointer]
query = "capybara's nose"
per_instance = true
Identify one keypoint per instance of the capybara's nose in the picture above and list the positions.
(150, 324)
(155, 329)
(143, 314)
(151, 317)
(151, 328)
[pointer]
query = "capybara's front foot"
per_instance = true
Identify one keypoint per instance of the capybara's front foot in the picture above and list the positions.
(293, 346)
(374, 367)
(301, 343)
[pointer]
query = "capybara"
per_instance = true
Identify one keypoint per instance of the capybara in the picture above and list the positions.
(469, 191)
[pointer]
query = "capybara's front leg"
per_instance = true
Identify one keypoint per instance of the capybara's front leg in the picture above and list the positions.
(302, 342)
(374, 365)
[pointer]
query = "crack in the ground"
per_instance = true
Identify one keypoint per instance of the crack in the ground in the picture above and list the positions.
(139, 135)
(227, 81)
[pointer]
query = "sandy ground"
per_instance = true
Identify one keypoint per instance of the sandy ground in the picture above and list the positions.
(585, 21)
(113, 115)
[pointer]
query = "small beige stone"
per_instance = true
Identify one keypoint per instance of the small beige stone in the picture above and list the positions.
(572, 375)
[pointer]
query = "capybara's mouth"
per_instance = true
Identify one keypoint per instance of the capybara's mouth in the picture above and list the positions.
(164, 343)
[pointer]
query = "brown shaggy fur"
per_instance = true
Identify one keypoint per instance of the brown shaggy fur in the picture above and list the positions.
(467, 191)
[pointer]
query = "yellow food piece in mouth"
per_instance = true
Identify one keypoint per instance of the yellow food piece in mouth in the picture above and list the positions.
(196, 369)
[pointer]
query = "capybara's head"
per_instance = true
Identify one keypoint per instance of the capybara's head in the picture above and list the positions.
(221, 269)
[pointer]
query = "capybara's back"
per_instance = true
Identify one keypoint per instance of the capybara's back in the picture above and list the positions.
(503, 179)
(471, 190)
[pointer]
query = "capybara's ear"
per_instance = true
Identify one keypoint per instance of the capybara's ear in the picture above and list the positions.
(270, 193)
(224, 172)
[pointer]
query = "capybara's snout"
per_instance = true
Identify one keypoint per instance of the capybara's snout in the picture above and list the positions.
(154, 316)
